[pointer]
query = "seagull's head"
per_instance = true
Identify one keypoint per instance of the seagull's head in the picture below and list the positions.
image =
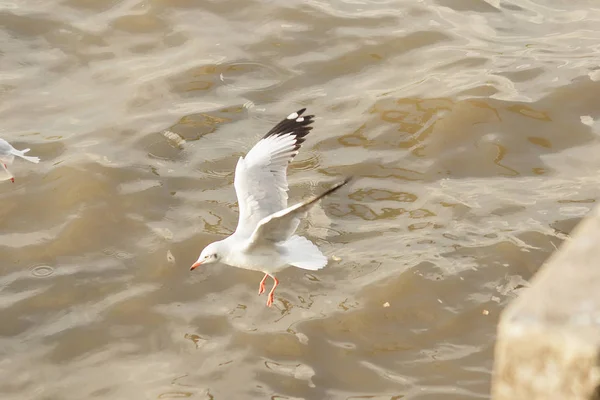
(211, 253)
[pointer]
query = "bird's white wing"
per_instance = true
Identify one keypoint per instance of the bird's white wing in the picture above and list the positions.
(260, 178)
(6, 155)
(281, 225)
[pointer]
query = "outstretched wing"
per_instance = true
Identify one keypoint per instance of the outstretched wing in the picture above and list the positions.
(281, 225)
(6, 152)
(260, 178)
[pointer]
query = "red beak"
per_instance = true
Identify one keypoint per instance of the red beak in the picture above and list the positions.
(195, 265)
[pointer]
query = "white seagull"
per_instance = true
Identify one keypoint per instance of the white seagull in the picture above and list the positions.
(7, 156)
(264, 239)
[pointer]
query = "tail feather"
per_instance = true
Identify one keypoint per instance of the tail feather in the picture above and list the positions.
(21, 153)
(303, 253)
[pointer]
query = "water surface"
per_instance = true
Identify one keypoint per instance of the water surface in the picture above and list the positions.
(471, 129)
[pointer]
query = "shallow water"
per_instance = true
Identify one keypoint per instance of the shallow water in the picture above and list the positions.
(471, 129)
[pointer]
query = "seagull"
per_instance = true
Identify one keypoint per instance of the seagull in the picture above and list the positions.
(7, 156)
(264, 239)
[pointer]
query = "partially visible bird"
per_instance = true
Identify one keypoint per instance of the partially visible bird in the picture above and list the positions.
(264, 239)
(7, 156)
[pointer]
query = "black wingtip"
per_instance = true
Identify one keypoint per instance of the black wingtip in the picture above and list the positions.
(347, 179)
(342, 183)
(333, 188)
(295, 123)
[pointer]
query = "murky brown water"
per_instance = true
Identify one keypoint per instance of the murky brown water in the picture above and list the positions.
(469, 124)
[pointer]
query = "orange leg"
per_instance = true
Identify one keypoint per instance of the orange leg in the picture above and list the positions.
(272, 292)
(261, 286)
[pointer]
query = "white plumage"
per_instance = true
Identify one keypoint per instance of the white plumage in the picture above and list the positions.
(7, 156)
(264, 239)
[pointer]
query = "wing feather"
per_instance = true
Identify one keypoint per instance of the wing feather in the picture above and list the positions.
(261, 177)
(281, 225)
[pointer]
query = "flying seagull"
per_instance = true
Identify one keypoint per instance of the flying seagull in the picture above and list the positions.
(264, 239)
(7, 156)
